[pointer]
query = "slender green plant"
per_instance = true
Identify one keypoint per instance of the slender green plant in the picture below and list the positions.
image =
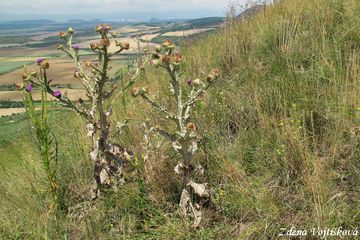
(107, 157)
(46, 143)
(185, 140)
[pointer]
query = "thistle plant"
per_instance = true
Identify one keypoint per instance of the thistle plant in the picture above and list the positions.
(185, 139)
(46, 142)
(94, 76)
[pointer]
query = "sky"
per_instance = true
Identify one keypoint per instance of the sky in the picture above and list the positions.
(100, 7)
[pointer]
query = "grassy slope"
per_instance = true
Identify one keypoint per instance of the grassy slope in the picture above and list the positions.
(281, 139)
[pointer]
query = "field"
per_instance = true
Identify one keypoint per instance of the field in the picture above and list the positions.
(10, 111)
(32, 42)
(187, 32)
(9, 66)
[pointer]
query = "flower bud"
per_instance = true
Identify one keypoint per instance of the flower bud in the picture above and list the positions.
(77, 74)
(144, 90)
(135, 91)
(29, 88)
(168, 44)
(106, 27)
(103, 27)
(57, 94)
(157, 49)
(156, 56)
(191, 126)
(45, 65)
(155, 62)
(125, 45)
(70, 30)
(63, 34)
(76, 47)
(105, 42)
(216, 73)
(98, 28)
(177, 58)
(93, 46)
(39, 61)
(26, 76)
(166, 59)
(19, 86)
(210, 77)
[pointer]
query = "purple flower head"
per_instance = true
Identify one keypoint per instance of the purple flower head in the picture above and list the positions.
(76, 47)
(28, 88)
(104, 27)
(189, 82)
(57, 94)
(39, 60)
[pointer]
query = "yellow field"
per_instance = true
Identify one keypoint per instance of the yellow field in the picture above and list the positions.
(73, 94)
(28, 52)
(61, 70)
(149, 37)
(131, 29)
(10, 111)
(187, 32)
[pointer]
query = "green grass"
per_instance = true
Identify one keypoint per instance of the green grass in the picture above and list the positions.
(6, 67)
(280, 139)
(14, 40)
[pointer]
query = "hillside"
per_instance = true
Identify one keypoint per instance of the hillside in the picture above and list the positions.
(280, 140)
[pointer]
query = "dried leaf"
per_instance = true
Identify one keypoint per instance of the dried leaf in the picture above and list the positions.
(193, 147)
(185, 203)
(176, 145)
(104, 177)
(94, 155)
(197, 215)
(199, 189)
(199, 170)
(90, 130)
(179, 169)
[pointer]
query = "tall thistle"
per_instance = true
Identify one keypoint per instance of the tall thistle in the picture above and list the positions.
(94, 76)
(46, 142)
(185, 139)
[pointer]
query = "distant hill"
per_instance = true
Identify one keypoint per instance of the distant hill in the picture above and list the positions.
(20, 24)
(251, 11)
(204, 22)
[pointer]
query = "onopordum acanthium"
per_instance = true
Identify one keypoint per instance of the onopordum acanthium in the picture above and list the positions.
(185, 140)
(96, 109)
